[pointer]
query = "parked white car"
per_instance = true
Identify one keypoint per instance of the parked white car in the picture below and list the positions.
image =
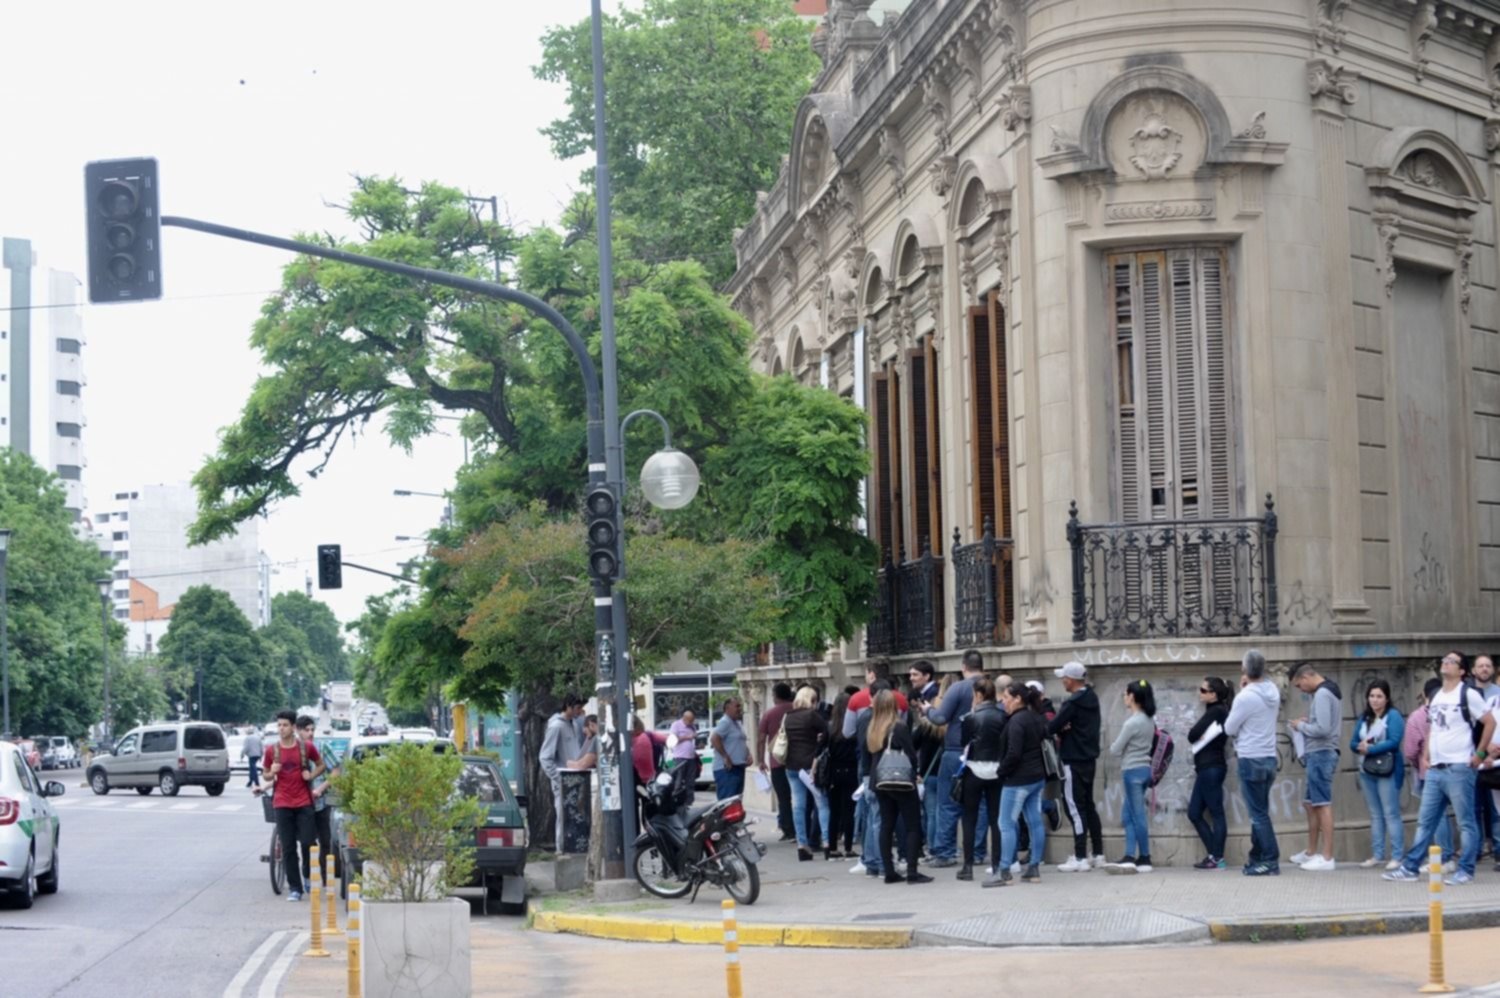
(63, 752)
(29, 830)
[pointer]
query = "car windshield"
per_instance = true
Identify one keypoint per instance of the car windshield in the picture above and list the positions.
(369, 750)
(204, 738)
(481, 780)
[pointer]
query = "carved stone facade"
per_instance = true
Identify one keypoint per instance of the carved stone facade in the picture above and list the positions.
(1344, 178)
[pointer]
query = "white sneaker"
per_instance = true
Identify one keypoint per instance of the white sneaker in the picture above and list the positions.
(1015, 868)
(1450, 867)
(1300, 858)
(1074, 865)
(1371, 863)
(1121, 869)
(1394, 864)
(1319, 864)
(1098, 861)
(857, 867)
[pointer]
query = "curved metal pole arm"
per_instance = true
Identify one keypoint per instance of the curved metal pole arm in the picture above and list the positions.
(666, 431)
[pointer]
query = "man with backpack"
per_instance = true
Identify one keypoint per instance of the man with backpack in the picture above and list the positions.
(1252, 725)
(1461, 731)
(957, 702)
(1077, 724)
(770, 727)
(290, 766)
(1320, 730)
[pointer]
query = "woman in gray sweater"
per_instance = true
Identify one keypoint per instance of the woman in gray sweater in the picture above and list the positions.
(1133, 746)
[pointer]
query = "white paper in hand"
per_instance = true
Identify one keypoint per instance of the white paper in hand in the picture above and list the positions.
(1214, 730)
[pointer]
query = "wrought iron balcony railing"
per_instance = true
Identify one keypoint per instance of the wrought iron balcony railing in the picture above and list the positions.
(907, 610)
(983, 594)
(1174, 578)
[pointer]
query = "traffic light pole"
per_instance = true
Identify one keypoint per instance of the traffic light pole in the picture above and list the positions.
(609, 629)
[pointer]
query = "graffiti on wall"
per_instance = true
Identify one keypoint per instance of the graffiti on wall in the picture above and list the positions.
(1161, 653)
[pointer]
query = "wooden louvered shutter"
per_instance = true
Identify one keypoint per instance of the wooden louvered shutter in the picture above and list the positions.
(926, 496)
(1219, 449)
(999, 417)
(982, 392)
(897, 521)
(880, 484)
(1122, 277)
(934, 454)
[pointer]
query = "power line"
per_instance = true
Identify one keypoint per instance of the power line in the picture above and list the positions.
(175, 298)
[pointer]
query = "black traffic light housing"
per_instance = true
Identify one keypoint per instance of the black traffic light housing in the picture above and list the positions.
(330, 566)
(601, 511)
(124, 230)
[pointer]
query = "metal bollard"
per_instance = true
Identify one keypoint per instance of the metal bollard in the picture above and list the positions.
(1436, 983)
(332, 928)
(732, 952)
(353, 938)
(315, 892)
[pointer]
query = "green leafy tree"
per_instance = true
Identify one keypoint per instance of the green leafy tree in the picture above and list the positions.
(53, 625)
(137, 695)
(209, 633)
(700, 96)
(289, 655)
(321, 628)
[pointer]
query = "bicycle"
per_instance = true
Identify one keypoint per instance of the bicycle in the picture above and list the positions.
(278, 867)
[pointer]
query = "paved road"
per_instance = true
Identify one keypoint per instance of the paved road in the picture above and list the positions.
(159, 897)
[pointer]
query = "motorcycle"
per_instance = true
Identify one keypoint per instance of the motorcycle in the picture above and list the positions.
(684, 847)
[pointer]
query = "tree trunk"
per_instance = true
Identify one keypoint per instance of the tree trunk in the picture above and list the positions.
(532, 713)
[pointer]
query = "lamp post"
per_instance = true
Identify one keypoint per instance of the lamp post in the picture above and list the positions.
(5, 631)
(104, 587)
(448, 503)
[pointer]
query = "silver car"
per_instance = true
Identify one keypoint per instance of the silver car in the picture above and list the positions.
(165, 756)
(29, 830)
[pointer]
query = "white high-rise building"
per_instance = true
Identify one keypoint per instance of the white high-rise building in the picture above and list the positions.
(144, 533)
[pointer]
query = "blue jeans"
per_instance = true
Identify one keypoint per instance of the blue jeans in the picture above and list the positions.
(800, 794)
(930, 810)
(944, 843)
(1133, 811)
(1383, 798)
(869, 841)
(729, 782)
(1208, 799)
(1450, 785)
(1256, 777)
(1015, 801)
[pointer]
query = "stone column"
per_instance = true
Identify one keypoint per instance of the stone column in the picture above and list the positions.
(1332, 90)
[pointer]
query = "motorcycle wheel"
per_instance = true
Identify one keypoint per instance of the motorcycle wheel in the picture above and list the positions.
(742, 879)
(654, 874)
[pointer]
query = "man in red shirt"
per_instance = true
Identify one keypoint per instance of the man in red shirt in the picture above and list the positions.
(875, 669)
(289, 767)
(769, 728)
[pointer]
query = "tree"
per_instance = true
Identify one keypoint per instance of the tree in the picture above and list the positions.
(53, 627)
(319, 626)
(289, 655)
(209, 633)
(136, 693)
(700, 96)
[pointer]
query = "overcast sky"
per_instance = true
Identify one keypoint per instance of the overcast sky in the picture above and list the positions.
(259, 114)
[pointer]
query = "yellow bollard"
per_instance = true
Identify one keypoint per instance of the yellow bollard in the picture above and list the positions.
(1435, 976)
(315, 893)
(332, 928)
(354, 939)
(731, 952)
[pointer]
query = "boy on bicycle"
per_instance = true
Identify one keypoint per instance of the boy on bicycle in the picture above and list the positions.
(290, 765)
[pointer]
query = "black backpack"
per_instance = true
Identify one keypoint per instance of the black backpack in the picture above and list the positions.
(1476, 728)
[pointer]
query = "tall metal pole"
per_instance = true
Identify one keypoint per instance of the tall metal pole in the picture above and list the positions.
(615, 692)
(104, 652)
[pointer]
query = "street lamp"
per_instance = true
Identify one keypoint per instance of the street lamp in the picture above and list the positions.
(105, 585)
(5, 631)
(447, 508)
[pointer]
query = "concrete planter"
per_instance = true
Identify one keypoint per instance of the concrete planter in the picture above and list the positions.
(415, 950)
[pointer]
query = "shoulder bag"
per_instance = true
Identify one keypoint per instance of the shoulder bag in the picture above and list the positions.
(1383, 764)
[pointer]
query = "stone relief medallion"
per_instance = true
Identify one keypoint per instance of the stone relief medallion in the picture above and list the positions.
(1426, 170)
(1154, 136)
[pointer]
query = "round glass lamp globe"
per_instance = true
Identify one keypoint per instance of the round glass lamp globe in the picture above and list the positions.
(670, 479)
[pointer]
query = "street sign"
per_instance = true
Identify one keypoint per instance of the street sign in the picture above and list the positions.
(609, 780)
(606, 657)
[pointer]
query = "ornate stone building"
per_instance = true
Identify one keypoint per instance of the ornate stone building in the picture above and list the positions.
(1161, 260)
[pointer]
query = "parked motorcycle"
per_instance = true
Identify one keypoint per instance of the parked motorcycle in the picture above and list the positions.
(684, 847)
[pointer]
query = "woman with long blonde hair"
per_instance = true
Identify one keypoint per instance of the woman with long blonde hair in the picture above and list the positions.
(897, 797)
(806, 734)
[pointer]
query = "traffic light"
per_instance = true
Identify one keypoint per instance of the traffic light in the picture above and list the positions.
(330, 566)
(601, 509)
(124, 230)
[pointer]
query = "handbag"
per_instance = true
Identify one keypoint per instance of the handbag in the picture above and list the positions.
(779, 745)
(1383, 764)
(894, 772)
(1488, 778)
(820, 770)
(1051, 761)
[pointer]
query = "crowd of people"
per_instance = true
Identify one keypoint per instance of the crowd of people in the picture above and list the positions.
(972, 771)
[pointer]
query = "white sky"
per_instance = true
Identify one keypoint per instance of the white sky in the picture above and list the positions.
(435, 91)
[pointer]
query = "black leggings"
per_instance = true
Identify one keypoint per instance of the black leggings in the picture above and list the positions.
(323, 829)
(905, 803)
(294, 825)
(975, 790)
(841, 812)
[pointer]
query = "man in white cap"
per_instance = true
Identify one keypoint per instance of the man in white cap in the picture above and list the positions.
(1077, 725)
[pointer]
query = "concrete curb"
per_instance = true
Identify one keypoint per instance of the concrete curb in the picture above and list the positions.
(1267, 930)
(655, 930)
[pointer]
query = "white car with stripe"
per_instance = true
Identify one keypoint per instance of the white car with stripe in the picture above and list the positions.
(29, 830)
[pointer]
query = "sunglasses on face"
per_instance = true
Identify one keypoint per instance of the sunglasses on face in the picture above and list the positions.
(1204, 689)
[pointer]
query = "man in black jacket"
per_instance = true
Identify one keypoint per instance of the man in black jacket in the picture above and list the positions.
(1077, 722)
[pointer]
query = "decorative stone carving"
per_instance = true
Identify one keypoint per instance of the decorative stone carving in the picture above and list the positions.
(1491, 135)
(1015, 107)
(1329, 15)
(787, 259)
(1061, 140)
(1424, 21)
(1388, 229)
(932, 263)
(854, 262)
(971, 63)
(1256, 130)
(1492, 68)
(893, 154)
(1012, 44)
(849, 194)
(938, 101)
(1156, 146)
(968, 277)
(943, 172)
(1156, 211)
(1465, 257)
(1327, 80)
(1426, 170)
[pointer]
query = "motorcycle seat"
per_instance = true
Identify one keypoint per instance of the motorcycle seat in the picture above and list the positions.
(695, 813)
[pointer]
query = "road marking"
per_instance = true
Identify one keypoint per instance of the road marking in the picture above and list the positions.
(144, 803)
(183, 807)
(101, 802)
(68, 802)
(271, 983)
(230, 807)
(237, 984)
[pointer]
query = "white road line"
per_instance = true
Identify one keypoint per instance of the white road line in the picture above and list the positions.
(63, 801)
(230, 807)
(271, 983)
(101, 802)
(142, 804)
(237, 984)
(183, 807)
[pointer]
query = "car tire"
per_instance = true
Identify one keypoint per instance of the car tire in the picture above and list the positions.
(168, 783)
(25, 893)
(214, 789)
(49, 882)
(99, 781)
(144, 791)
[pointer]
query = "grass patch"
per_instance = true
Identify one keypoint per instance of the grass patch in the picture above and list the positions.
(583, 903)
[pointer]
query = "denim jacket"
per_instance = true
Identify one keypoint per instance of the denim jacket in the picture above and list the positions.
(1395, 730)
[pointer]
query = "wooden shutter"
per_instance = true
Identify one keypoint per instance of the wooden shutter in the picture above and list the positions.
(881, 438)
(1000, 417)
(990, 392)
(926, 483)
(982, 392)
(1122, 276)
(897, 519)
